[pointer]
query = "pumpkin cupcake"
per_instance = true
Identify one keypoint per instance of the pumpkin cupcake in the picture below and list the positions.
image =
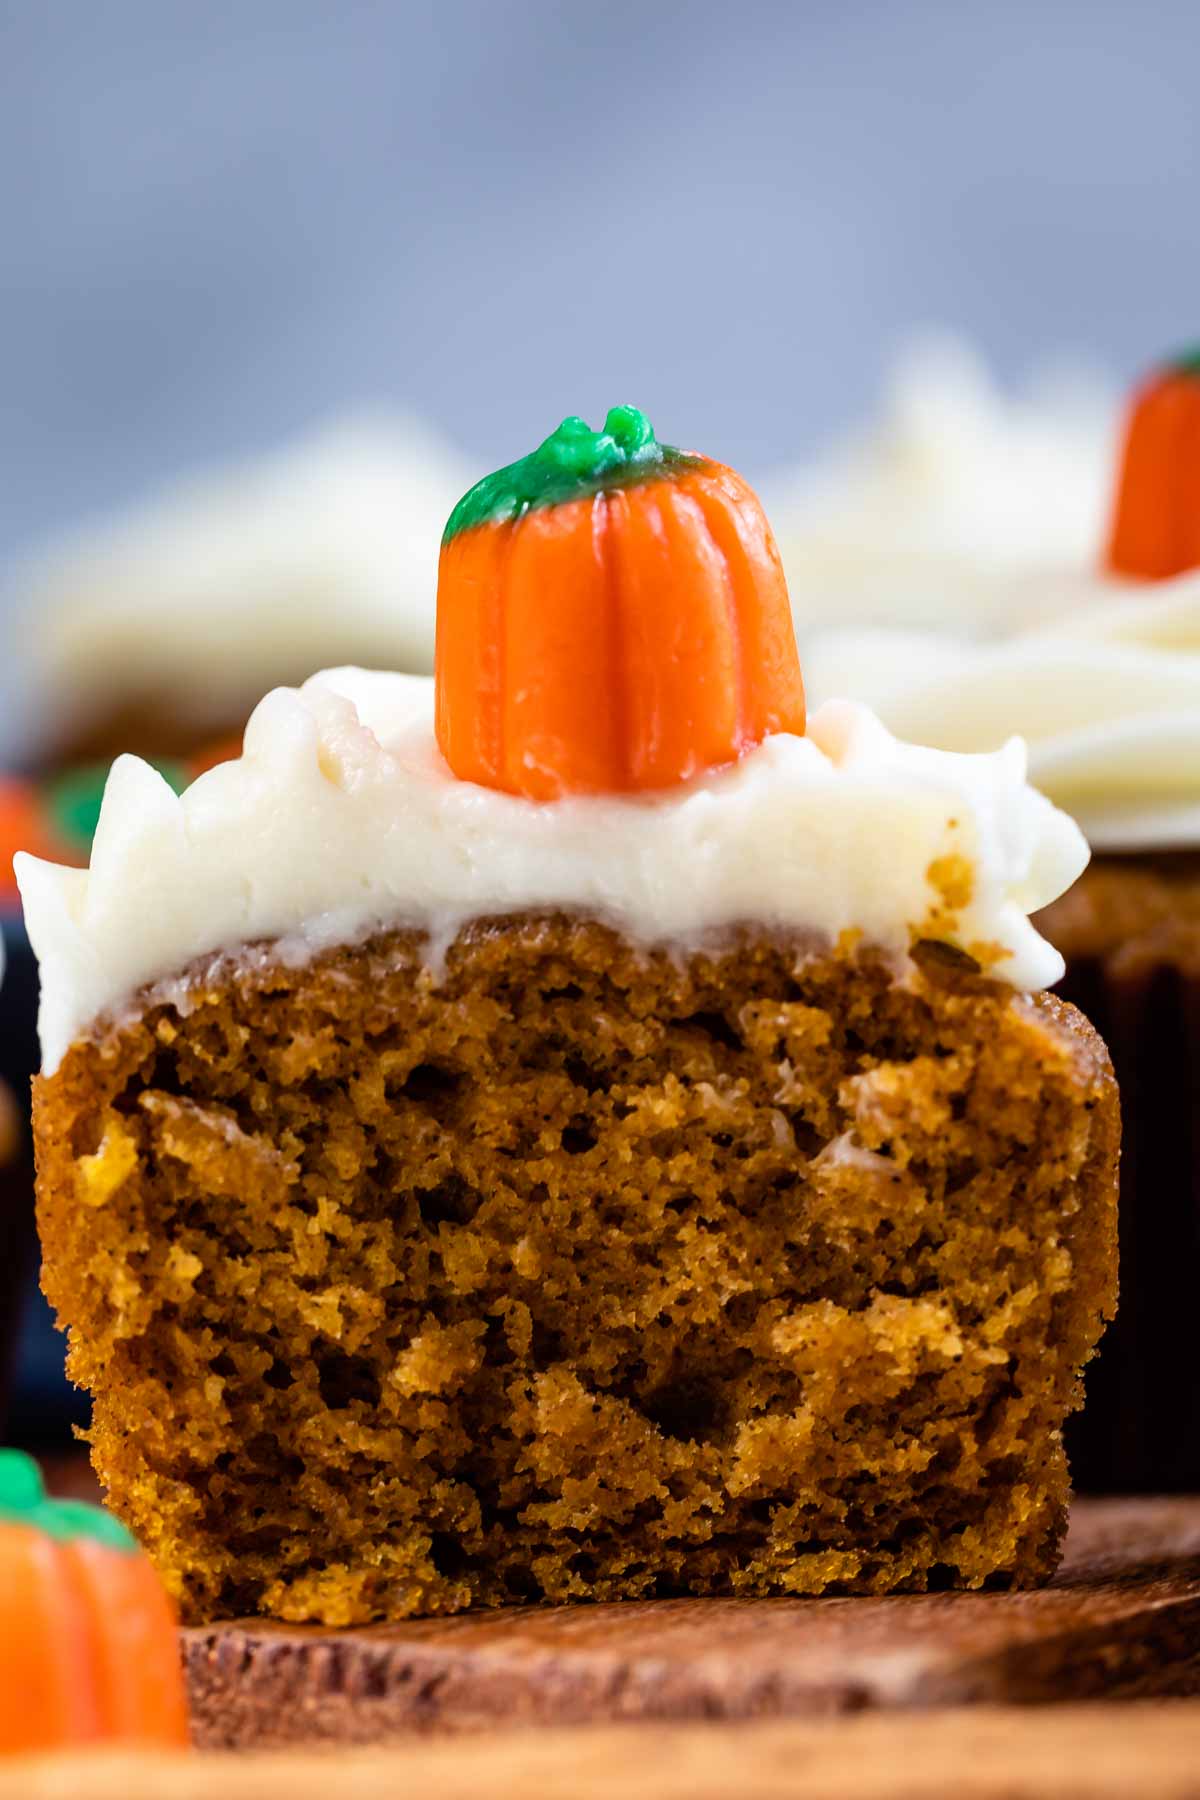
(1106, 692)
(576, 1128)
(957, 505)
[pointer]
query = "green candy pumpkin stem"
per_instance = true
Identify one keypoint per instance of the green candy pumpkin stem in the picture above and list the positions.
(24, 1501)
(573, 462)
(1187, 362)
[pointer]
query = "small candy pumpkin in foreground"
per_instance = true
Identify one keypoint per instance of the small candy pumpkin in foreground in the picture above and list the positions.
(88, 1645)
(612, 617)
(1156, 521)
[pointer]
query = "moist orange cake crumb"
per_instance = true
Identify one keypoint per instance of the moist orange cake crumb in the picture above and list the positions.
(583, 1272)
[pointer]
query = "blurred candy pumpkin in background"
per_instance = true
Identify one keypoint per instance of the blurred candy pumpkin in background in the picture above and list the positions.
(1156, 523)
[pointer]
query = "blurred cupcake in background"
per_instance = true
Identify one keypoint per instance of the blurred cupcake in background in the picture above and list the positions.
(1106, 691)
(158, 630)
(957, 505)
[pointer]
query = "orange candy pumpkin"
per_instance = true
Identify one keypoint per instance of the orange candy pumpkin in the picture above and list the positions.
(612, 617)
(88, 1646)
(1156, 521)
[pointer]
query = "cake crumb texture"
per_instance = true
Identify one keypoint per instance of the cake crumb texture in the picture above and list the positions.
(583, 1273)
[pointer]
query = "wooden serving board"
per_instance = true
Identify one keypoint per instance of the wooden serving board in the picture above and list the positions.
(1141, 1751)
(1121, 1619)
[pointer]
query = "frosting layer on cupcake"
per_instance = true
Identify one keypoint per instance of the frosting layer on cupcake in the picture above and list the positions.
(1107, 697)
(341, 817)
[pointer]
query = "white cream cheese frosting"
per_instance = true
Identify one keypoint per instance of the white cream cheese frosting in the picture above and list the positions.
(1106, 695)
(957, 507)
(231, 582)
(341, 817)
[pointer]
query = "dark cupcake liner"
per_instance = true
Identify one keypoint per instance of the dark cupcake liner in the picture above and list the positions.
(1139, 1431)
(18, 1240)
(17, 1262)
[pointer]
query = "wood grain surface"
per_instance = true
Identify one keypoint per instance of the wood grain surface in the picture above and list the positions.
(1122, 1618)
(1098, 1752)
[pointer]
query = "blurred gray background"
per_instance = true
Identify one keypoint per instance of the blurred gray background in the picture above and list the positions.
(225, 221)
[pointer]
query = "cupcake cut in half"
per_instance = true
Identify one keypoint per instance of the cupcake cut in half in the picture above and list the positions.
(574, 1128)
